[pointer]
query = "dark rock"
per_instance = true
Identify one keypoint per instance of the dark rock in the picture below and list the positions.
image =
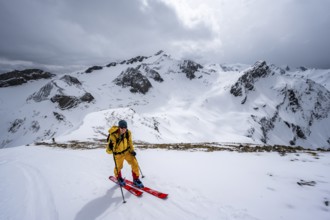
(293, 101)
(59, 116)
(266, 125)
(17, 77)
(300, 133)
(189, 68)
(246, 82)
(65, 102)
(16, 125)
(151, 73)
(87, 97)
(68, 102)
(302, 68)
(111, 64)
(133, 78)
(70, 80)
(35, 126)
(306, 183)
(43, 93)
(93, 68)
(136, 59)
(159, 52)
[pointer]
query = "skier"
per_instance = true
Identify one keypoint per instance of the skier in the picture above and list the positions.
(120, 144)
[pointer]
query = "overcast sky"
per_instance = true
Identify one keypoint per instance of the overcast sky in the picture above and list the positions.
(66, 34)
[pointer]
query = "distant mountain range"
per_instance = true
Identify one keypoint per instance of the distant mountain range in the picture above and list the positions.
(167, 100)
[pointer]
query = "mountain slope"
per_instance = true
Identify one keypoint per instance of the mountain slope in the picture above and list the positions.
(168, 100)
(39, 182)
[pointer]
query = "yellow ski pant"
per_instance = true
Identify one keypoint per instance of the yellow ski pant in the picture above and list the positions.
(131, 160)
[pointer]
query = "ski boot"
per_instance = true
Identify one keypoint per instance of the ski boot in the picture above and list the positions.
(137, 182)
(121, 181)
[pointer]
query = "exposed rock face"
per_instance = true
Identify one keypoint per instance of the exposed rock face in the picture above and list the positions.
(246, 82)
(136, 59)
(296, 104)
(65, 102)
(70, 80)
(17, 77)
(111, 64)
(15, 125)
(133, 78)
(307, 104)
(93, 68)
(59, 116)
(151, 73)
(68, 102)
(87, 97)
(56, 93)
(189, 68)
(45, 91)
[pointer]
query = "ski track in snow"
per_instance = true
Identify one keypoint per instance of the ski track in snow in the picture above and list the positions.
(40, 199)
(51, 183)
(201, 207)
(36, 200)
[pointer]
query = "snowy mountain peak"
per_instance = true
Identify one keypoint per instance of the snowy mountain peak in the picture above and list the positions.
(291, 107)
(173, 101)
(246, 82)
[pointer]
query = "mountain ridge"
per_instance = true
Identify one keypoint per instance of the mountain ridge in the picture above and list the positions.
(169, 100)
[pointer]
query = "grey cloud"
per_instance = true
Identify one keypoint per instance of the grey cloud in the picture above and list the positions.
(69, 33)
(283, 32)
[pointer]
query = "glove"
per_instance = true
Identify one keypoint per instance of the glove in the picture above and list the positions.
(111, 146)
(133, 153)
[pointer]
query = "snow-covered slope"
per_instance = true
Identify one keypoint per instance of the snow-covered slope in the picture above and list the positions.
(39, 182)
(166, 100)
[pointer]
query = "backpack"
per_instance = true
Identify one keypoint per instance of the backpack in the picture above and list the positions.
(126, 135)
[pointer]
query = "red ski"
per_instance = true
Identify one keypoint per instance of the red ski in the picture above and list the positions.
(149, 190)
(129, 188)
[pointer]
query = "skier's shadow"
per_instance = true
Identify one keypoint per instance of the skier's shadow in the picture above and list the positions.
(98, 206)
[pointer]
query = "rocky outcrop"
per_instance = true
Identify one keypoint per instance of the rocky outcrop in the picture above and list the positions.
(136, 59)
(70, 80)
(68, 102)
(17, 77)
(87, 97)
(246, 82)
(43, 93)
(93, 68)
(59, 116)
(65, 102)
(150, 73)
(15, 125)
(189, 68)
(134, 79)
(46, 91)
(111, 64)
(56, 93)
(297, 104)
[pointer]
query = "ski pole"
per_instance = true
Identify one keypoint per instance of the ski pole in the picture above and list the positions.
(134, 155)
(139, 167)
(121, 189)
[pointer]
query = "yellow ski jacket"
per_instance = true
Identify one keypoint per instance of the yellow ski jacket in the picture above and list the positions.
(121, 143)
